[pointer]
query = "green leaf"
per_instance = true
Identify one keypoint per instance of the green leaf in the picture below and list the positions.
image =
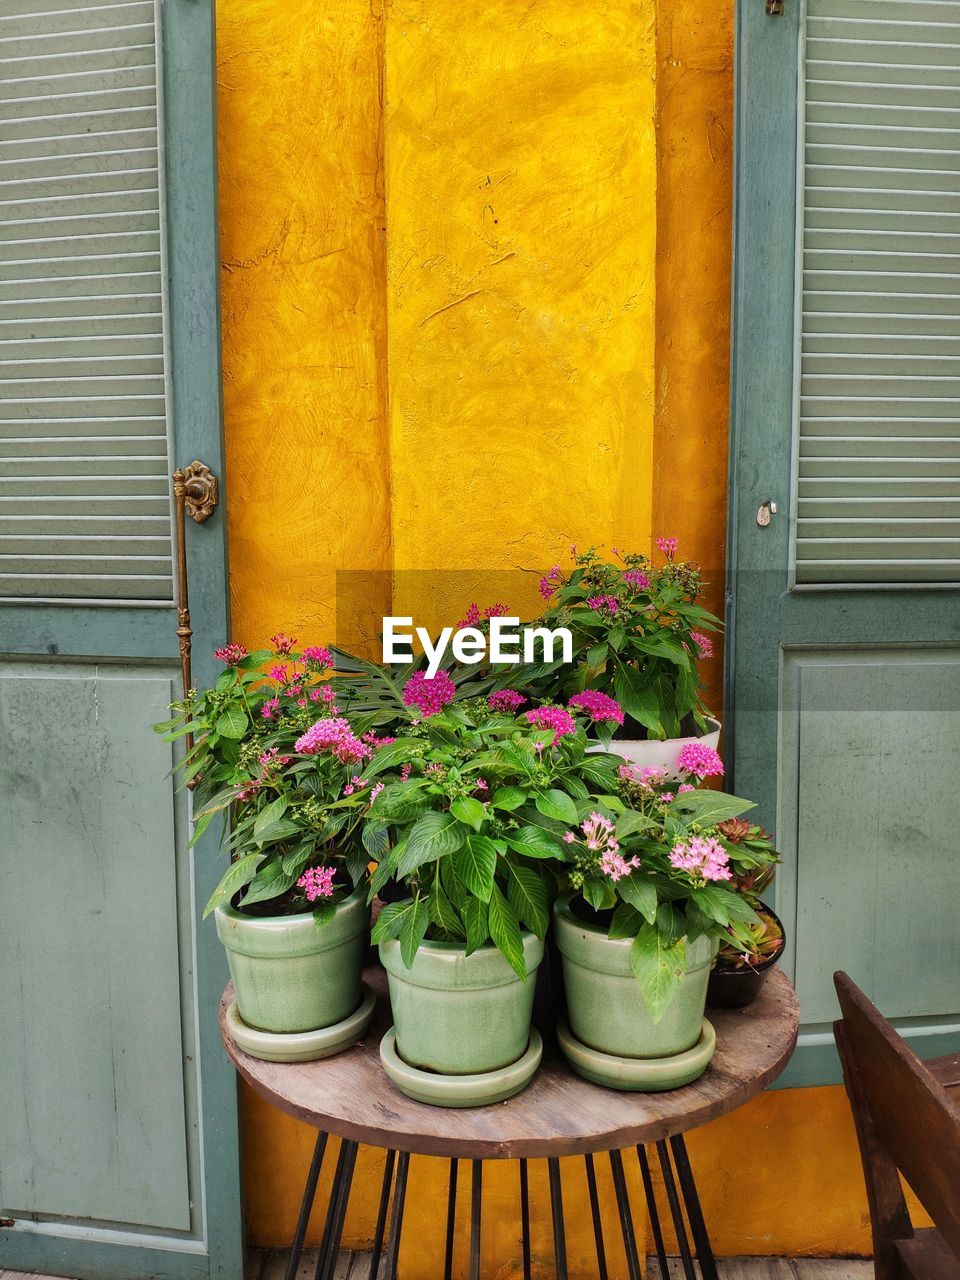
(641, 893)
(475, 918)
(270, 813)
(435, 835)
(392, 754)
(232, 722)
(469, 811)
(400, 802)
(509, 798)
(527, 894)
(323, 912)
(658, 968)
(375, 839)
(629, 822)
(391, 920)
(414, 931)
(625, 923)
(671, 923)
(442, 911)
(723, 905)
(706, 808)
(599, 893)
(235, 877)
(637, 697)
(269, 882)
(475, 865)
(515, 756)
(281, 830)
(601, 770)
(534, 842)
(556, 804)
(505, 932)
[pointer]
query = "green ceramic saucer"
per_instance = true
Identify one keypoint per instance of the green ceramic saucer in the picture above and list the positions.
(301, 1046)
(478, 1090)
(638, 1075)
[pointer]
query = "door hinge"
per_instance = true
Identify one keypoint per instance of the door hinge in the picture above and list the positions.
(775, 7)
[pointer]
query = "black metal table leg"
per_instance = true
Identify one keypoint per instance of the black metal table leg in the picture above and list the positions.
(451, 1220)
(382, 1214)
(597, 1219)
(306, 1205)
(337, 1211)
(556, 1212)
(525, 1219)
(396, 1222)
(476, 1208)
(626, 1218)
(675, 1211)
(652, 1211)
(691, 1198)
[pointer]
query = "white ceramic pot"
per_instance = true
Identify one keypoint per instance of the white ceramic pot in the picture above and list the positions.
(654, 753)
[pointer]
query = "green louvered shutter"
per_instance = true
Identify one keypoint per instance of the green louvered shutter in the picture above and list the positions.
(878, 475)
(84, 490)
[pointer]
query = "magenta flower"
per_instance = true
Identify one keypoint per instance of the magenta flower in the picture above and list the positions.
(506, 700)
(278, 673)
(604, 604)
(668, 546)
(231, 654)
(317, 882)
(550, 583)
(322, 657)
(636, 578)
(429, 694)
(704, 858)
(283, 643)
(270, 708)
(335, 736)
(555, 718)
(471, 618)
(598, 706)
(376, 791)
(700, 760)
(496, 611)
(372, 740)
(703, 644)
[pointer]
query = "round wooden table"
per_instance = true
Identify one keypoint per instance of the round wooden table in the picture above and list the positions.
(558, 1114)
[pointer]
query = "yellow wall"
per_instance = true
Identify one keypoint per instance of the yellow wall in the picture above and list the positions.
(475, 308)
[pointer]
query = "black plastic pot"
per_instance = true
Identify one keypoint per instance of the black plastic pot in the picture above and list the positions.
(737, 988)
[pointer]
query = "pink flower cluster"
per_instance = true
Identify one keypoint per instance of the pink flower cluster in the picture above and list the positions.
(704, 644)
(283, 644)
(321, 656)
(270, 708)
(549, 584)
(555, 718)
(317, 882)
(334, 735)
(231, 654)
(703, 857)
(700, 760)
(636, 578)
(604, 604)
(474, 616)
(506, 700)
(598, 833)
(428, 694)
(598, 706)
(668, 546)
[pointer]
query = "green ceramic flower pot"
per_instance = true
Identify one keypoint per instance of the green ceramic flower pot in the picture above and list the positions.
(460, 1014)
(605, 1004)
(289, 975)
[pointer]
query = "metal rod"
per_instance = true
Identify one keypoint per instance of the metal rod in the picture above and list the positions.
(396, 1221)
(525, 1219)
(451, 1220)
(675, 1211)
(597, 1218)
(338, 1210)
(476, 1207)
(653, 1211)
(381, 1215)
(691, 1198)
(306, 1205)
(626, 1218)
(194, 495)
(556, 1211)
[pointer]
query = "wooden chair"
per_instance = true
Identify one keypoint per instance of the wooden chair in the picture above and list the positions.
(907, 1123)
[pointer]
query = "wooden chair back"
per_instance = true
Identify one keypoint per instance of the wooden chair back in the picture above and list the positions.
(905, 1121)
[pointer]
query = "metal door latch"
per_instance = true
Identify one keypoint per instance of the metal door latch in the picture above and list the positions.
(765, 513)
(775, 7)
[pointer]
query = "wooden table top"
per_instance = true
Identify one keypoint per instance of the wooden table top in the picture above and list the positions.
(557, 1114)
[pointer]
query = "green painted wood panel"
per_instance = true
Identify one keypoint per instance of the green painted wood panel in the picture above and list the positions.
(95, 1121)
(836, 689)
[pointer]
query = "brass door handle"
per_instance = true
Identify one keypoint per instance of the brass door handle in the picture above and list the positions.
(195, 494)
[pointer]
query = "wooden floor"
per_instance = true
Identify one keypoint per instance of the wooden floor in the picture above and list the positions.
(270, 1265)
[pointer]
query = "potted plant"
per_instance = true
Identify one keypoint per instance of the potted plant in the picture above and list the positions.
(639, 635)
(653, 891)
(275, 756)
(740, 972)
(465, 824)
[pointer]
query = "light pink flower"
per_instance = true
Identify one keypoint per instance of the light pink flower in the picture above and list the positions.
(335, 736)
(598, 706)
(429, 694)
(668, 546)
(703, 643)
(376, 791)
(703, 857)
(615, 865)
(598, 832)
(231, 654)
(700, 760)
(317, 882)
